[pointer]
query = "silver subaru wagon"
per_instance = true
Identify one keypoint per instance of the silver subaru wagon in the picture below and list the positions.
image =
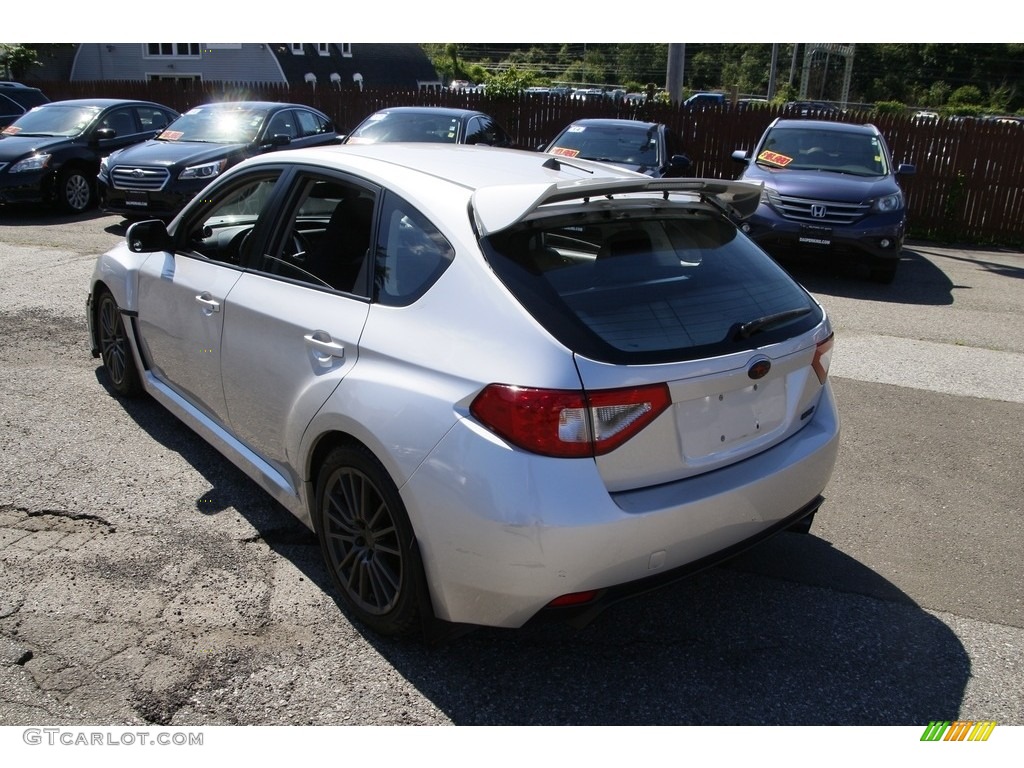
(498, 385)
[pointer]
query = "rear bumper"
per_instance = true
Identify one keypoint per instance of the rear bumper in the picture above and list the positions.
(502, 534)
(583, 614)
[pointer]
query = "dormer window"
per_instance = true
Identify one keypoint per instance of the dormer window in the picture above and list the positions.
(173, 49)
(297, 49)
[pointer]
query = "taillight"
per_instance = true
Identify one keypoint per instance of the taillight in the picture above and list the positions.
(823, 357)
(568, 423)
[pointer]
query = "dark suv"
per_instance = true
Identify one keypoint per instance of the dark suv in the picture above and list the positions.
(830, 189)
(17, 99)
(156, 178)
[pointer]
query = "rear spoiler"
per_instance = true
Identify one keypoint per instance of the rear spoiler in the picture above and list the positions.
(500, 207)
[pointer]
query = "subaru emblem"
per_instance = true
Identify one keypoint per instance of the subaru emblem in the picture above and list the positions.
(818, 211)
(759, 368)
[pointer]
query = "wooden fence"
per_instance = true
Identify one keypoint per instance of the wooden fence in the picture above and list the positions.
(969, 185)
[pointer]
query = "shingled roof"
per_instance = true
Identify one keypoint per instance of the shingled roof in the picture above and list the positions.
(381, 65)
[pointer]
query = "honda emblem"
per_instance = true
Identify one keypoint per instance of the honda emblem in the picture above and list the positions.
(818, 211)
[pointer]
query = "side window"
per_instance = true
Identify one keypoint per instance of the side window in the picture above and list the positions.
(121, 120)
(411, 254)
(484, 131)
(326, 236)
(310, 124)
(152, 119)
(671, 144)
(282, 124)
(222, 230)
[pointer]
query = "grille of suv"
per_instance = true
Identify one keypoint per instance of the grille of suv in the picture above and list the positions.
(817, 211)
(149, 179)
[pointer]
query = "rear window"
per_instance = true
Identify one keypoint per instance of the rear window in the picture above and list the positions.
(650, 288)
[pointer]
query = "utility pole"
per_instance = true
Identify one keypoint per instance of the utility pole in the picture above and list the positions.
(674, 71)
(773, 70)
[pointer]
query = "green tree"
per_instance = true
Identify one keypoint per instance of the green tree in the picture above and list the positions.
(508, 83)
(15, 60)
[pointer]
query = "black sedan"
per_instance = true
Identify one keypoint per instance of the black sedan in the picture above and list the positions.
(156, 178)
(52, 153)
(431, 124)
(648, 148)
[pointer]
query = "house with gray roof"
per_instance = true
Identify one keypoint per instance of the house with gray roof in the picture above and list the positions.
(401, 66)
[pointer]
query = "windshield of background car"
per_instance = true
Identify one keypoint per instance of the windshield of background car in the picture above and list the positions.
(53, 121)
(631, 145)
(650, 286)
(859, 154)
(216, 125)
(402, 126)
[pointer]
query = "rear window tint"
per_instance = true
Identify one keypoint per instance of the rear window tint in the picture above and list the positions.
(649, 288)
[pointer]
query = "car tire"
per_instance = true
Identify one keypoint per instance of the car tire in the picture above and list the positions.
(75, 191)
(368, 543)
(115, 347)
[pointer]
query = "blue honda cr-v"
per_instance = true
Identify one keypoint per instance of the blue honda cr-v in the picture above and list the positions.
(830, 188)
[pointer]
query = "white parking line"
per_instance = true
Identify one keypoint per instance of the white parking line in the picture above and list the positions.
(947, 368)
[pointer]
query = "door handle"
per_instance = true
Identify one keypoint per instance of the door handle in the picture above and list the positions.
(210, 304)
(324, 348)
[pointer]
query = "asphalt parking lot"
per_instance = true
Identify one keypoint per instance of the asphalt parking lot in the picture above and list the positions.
(144, 580)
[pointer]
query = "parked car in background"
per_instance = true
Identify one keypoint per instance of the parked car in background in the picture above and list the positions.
(706, 100)
(652, 149)
(442, 125)
(52, 153)
(811, 108)
(830, 189)
(657, 397)
(157, 178)
(17, 99)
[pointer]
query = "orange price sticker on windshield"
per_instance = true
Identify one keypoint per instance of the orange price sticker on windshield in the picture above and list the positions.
(566, 152)
(11, 130)
(171, 135)
(775, 158)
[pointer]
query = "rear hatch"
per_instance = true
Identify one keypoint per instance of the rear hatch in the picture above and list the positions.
(688, 339)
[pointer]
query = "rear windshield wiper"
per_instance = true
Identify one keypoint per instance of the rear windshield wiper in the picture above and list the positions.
(749, 328)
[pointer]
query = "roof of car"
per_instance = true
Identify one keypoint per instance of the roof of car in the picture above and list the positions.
(251, 105)
(611, 122)
(827, 125)
(512, 181)
(446, 111)
(101, 103)
(468, 166)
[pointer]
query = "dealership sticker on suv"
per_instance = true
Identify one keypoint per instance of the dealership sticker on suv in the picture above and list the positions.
(565, 152)
(775, 158)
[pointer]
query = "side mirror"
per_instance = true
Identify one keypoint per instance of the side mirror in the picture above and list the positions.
(741, 156)
(906, 169)
(148, 237)
(104, 133)
(680, 161)
(279, 140)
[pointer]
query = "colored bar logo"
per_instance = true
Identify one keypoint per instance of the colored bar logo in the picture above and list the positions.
(958, 730)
